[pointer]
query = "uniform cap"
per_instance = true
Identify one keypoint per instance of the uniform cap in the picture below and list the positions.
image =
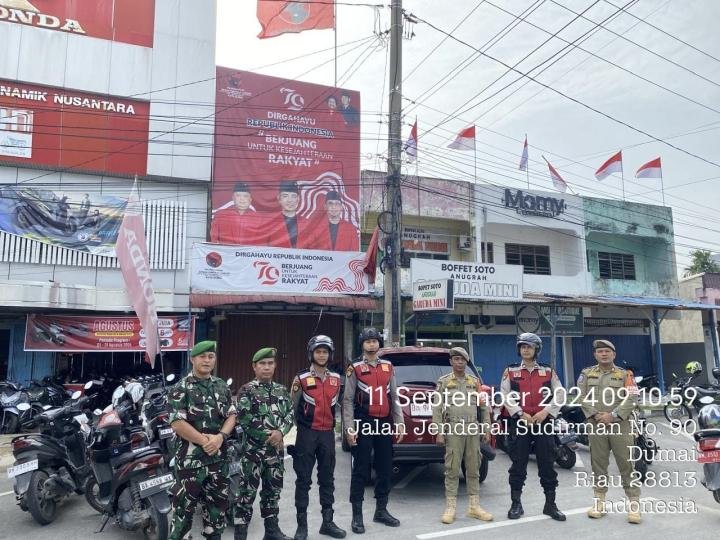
(603, 344)
(459, 351)
(262, 354)
(288, 186)
(203, 346)
(241, 186)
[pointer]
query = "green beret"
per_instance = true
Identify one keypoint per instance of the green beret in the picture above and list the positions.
(203, 346)
(262, 354)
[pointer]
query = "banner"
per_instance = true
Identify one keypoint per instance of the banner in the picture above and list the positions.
(435, 295)
(69, 219)
(286, 169)
(44, 125)
(253, 270)
(69, 333)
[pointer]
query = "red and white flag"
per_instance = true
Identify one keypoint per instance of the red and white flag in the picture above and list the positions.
(411, 144)
(557, 180)
(278, 17)
(465, 140)
(370, 260)
(611, 166)
(652, 169)
(524, 157)
(131, 251)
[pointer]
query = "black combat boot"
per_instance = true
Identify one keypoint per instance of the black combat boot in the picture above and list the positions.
(357, 525)
(272, 530)
(241, 532)
(328, 527)
(302, 529)
(551, 509)
(516, 509)
(383, 516)
(214, 536)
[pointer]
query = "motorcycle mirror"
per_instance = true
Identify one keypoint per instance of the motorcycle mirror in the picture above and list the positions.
(76, 395)
(639, 378)
(170, 378)
(97, 412)
(108, 408)
(705, 400)
(229, 381)
(88, 385)
(23, 406)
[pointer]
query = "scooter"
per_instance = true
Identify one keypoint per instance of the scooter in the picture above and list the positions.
(708, 440)
(684, 403)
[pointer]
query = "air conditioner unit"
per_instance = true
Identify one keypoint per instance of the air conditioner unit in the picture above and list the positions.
(464, 242)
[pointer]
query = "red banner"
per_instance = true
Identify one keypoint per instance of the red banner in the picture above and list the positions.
(127, 21)
(69, 333)
(43, 125)
(287, 164)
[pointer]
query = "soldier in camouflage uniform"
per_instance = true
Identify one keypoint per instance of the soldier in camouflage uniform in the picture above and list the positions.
(203, 415)
(265, 415)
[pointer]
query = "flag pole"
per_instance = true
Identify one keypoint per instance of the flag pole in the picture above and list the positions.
(417, 174)
(622, 179)
(527, 166)
(662, 186)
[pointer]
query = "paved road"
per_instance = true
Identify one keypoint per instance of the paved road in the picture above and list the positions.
(417, 500)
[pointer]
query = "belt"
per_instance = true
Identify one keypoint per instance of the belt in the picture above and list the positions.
(461, 419)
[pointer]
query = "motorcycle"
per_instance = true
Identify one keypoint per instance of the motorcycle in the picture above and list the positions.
(51, 465)
(708, 440)
(11, 396)
(684, 402)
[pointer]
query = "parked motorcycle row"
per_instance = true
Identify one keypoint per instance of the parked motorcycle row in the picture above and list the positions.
(684, 403)
(40, 396)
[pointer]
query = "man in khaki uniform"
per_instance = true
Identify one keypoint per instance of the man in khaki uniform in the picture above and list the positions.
(609, 396)
(456, 416)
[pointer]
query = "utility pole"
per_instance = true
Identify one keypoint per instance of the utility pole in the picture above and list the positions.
(393, 200)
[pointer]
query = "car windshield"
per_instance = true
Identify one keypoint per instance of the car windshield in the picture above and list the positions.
(415, 368)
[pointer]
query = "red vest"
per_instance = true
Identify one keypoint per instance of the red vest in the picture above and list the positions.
(372, 393)
(316, 409)
(529, 385)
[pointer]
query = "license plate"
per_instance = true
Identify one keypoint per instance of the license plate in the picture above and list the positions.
(166, 433)
(713, 456)
(156, 482)
(234, 468)
(420, 409)
(17, 470)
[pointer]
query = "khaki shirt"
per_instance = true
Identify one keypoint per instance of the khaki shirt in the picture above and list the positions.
(460, 400)
(612, 390)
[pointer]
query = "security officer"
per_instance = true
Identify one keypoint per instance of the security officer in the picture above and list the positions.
(203, 416)
(525, 388)
(456, 416)
(265, 416)
(609, 396)
(370, 408)
(315, 392)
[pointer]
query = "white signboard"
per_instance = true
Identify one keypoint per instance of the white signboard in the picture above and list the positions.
(478, 281)
(435, 295)
(265, 270)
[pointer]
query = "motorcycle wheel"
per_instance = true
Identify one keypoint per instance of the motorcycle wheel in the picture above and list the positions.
(9, 423)
(158, 528)
(92, 493)
(677, 412)
(565, 457)
(484, 468)
(42, 509)
(641, 466)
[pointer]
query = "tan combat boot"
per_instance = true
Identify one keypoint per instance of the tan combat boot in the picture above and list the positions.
(634, 511)
(450, 506)
(597, 510)
(476, 511)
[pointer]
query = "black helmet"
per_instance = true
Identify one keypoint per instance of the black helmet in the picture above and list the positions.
(530, 339)
(320, 341)
(370, 333)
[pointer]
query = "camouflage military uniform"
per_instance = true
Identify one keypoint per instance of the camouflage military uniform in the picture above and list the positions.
(205, 404)
(262, 407)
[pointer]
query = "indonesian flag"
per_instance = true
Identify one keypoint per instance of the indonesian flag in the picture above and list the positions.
(465, 140)
(370, 259)
(611, 166)
(411, 144)
(131, 251)
(278, 17)
(524, 157)
(652, 169)
(557, 180)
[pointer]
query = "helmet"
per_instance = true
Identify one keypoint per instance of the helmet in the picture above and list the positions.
(530, 339)
(320, 341)
(370, 333)
(693, 368)
(709, 417)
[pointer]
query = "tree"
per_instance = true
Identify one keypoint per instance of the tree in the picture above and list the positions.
(702, 261)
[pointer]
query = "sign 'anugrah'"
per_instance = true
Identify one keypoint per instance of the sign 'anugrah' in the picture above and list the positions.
(478, 281)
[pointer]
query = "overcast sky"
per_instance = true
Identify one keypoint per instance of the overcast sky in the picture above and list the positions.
(447, 95)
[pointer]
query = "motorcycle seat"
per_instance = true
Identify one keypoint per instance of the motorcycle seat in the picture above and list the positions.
(712, 392)
(127, 457)
(706, 433)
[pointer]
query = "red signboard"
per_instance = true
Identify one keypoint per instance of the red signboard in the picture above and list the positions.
(43, 125)
(287, 163)
(127, 21)
(69, 333)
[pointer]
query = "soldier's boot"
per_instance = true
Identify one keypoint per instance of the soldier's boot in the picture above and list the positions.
(241, 532)
(302, 529)
(357, 525)
(272, 530)
(476, 511)
(516, 509)
(383, 516)
(328, 526)
(551, 509)
(597, 510)
(634, 511)
(450, 506)
(214, 536)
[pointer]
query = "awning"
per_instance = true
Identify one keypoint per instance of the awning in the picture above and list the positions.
(663, 302)
(206, 300)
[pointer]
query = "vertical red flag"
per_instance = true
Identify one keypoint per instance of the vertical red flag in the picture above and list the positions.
(411, 144)
(278, 17)
(131, 251)
(371, 256)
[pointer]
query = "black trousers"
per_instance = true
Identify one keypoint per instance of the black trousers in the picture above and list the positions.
(372, 442)
(312, 445)
(519, 447)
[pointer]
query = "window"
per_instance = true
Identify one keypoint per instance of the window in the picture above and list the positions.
(535, 259)
(490, 254)
(616, 265)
